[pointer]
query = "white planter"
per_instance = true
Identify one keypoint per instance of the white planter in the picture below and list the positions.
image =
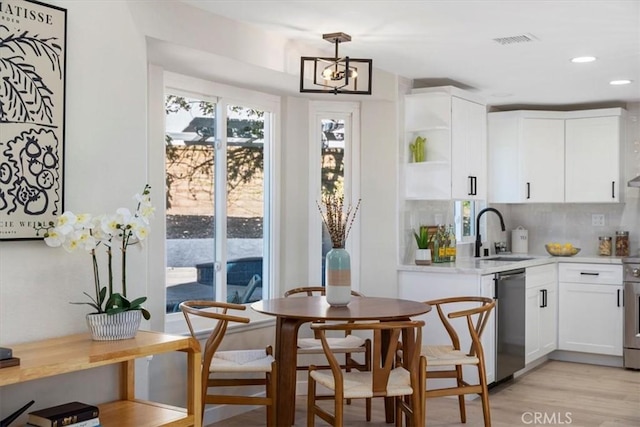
(110, 327)
(423, 256)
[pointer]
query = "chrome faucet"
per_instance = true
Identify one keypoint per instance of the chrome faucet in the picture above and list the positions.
(478, 237)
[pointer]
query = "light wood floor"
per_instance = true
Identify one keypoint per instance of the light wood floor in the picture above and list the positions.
(567, 394)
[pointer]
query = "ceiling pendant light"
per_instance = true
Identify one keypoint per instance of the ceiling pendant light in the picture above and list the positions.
(335, 75)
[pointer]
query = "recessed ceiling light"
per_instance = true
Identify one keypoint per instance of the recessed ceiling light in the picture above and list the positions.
(619, 82)
(583, 59)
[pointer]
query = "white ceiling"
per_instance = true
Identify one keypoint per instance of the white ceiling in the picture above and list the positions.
(451, 42)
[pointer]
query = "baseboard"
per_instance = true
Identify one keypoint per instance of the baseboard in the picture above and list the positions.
(589, 358)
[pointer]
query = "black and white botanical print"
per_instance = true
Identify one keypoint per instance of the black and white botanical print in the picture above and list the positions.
(32, 85)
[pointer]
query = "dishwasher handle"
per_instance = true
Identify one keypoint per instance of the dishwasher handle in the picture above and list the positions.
(510, 275)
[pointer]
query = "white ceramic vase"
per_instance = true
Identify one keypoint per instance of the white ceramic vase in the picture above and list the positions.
(111, 327)
(338, 277)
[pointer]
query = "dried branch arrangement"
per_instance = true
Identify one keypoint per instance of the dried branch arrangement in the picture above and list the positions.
(337, 221)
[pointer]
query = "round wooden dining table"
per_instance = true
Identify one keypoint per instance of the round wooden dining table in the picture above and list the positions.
(292, 312)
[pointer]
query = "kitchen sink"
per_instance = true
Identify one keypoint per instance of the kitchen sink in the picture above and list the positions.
(507, 258)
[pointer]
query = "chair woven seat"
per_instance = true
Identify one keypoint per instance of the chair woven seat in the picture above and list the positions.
(359, 384)
(446, 355)
(350, 342)
(241, 361)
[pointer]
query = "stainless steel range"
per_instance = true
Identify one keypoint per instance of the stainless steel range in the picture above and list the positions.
(631, 312)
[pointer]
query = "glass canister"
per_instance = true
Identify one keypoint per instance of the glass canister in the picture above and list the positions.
(604, 246)
(622, 243)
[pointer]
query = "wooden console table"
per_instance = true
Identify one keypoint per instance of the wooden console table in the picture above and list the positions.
(73, 353)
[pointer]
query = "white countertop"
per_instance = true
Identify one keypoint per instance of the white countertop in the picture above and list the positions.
(484, 265)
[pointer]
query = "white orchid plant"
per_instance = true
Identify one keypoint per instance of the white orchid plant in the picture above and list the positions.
(84, 231)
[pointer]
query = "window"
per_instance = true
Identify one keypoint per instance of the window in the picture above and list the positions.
(464, 215)
(334, 167)
(218, 182)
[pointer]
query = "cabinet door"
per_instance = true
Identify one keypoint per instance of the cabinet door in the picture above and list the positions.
(590, 318)
(469, 150)
(541, 311)
(549, 319)
(489, 336)
(592, 166)
(542, 160)
(533, 311)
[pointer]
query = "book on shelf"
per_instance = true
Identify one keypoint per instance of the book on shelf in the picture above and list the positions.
(65, 415)
(93, 422)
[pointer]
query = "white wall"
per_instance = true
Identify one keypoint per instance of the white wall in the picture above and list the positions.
(110, 155)
(105, 150)
(378, 190)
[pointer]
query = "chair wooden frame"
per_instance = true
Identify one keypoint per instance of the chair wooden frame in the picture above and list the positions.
(476, 320)
(201, 309)
(385, 335)
(349, 362)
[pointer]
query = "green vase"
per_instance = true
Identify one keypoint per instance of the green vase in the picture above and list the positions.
(338, 277)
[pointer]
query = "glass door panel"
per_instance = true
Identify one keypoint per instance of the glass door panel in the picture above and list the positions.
(245, 203)
(332, 169)
(190, 205)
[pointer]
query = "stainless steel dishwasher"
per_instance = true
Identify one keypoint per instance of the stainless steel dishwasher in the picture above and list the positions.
(510, 323)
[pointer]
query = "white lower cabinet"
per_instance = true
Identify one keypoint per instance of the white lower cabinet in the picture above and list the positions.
(591, 308)
(541, 311)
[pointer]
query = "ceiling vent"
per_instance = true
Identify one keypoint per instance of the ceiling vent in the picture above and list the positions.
(522, 38)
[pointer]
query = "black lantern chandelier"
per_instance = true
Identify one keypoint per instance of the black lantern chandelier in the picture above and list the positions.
(335, 75)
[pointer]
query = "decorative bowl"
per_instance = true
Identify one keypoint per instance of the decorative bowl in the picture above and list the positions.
(557, 249)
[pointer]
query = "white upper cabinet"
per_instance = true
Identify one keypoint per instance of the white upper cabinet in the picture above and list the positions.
(593, 148)
(453, 166)
(554, 156)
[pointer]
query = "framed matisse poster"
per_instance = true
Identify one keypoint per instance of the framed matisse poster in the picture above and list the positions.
(32, 115)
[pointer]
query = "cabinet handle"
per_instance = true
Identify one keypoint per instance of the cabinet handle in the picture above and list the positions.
(528, 190)
(618, 298)
(589, 274)
(613, 189)
(470, 193)
(544, 298)
(541, 298)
